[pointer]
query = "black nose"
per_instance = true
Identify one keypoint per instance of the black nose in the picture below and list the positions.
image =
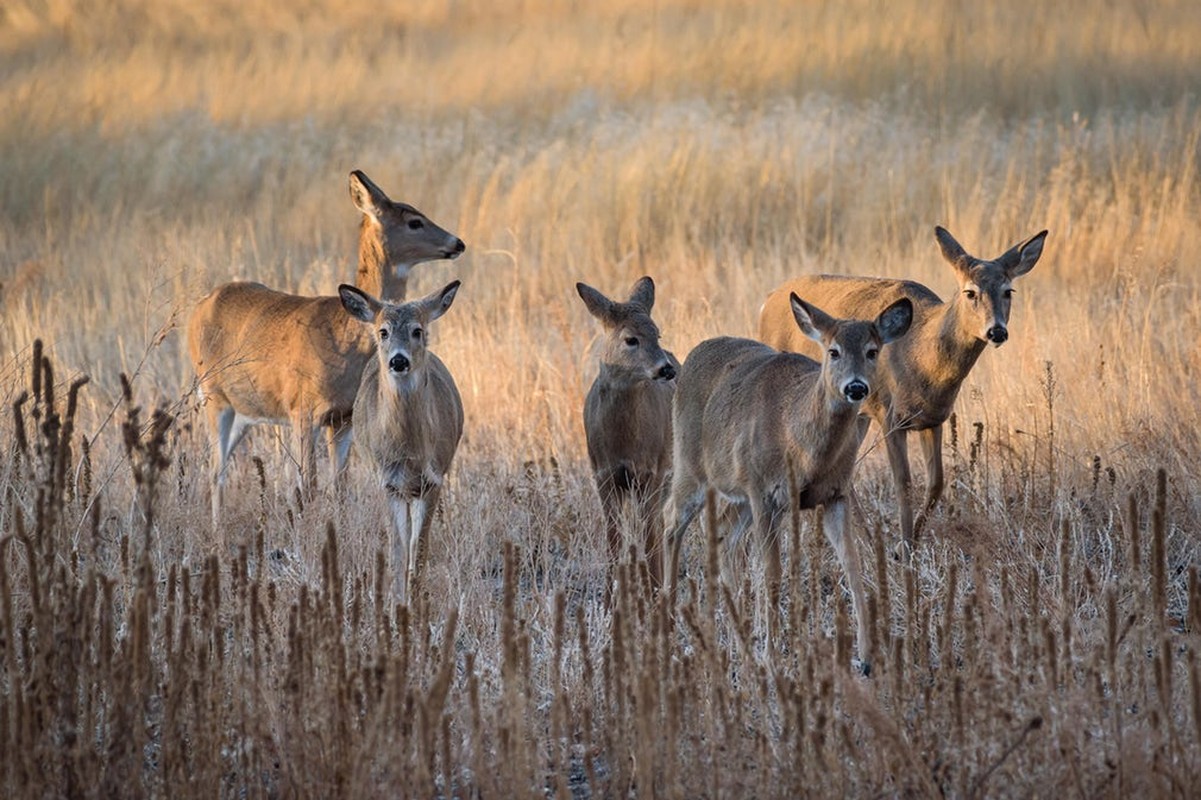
(667, 372)
(398, 363)
(997, 334)
(458, 248)
(856, 391)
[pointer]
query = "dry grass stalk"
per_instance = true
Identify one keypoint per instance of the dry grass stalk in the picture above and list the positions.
(723, 145)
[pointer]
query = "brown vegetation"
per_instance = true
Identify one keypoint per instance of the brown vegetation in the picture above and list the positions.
(1043, 639)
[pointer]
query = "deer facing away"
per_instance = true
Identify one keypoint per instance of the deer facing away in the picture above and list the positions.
(408, 418)
(267, 356)
(749, 420)
(920, 375)
(627, 419)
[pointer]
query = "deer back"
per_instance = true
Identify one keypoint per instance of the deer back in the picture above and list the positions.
(269, 353)
(754, 415)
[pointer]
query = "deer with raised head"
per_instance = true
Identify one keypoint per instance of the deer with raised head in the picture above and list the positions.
(408, 418)
(766, 429)
(920, 375)
(267, 356)
(627, 420)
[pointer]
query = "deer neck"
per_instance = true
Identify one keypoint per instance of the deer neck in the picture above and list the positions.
(404, 404)
(822, 420)
(945, 345)
(375, 275)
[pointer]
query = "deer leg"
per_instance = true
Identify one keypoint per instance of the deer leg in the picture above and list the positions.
(650, 524)
(420, 521)
(767, 512)
(931, 440)
(338, 440)
(612, 491)
(306, 454)
(611, 500)
(898, 459)
(227, 428)
(838, 534)
(681, 510)
(401, 536)
(220, 421)
(741, 522)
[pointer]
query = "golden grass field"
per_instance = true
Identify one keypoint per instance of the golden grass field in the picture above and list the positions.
(1042, 640)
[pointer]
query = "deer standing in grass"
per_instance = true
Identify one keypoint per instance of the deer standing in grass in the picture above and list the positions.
(408, 418)
(627, 420)
(267, 356)
(766, 429)
(921, 375)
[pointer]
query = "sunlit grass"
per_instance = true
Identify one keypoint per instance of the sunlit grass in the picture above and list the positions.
(149, 151)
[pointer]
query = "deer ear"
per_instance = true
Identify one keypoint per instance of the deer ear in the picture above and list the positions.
(358, 303)
(643, 294)
(366, 196)
(1022, 258)
(598, 305)
(952, 251)
(812, 321)
(895, 320)
(439, 302)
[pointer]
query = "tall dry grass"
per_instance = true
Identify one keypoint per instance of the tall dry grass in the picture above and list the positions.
(1043, 640)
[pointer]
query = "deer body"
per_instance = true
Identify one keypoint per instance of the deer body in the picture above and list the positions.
(627, 419)
(750, 420)
(268, 356)
(920, 376)
(408, 419)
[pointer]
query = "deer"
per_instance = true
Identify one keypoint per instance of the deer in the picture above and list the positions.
(263, 355)
(627, 420)
(408, 418)
(768, 430)
(921, 375)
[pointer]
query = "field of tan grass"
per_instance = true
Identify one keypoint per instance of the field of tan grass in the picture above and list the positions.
(1042, 640)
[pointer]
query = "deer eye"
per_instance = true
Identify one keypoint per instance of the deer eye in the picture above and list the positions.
(1008, 293)
(417, 334)
(416, 224)
(632, 341)
(970, 294)
(834, 354)
(872, 353)
(383, 334)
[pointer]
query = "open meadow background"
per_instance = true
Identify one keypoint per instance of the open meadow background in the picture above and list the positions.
(1042, 640)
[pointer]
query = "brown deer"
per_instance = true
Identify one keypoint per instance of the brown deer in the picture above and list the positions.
(267, 356)
(627, 419)
(921, 375)
(408, 418)
(766, 429)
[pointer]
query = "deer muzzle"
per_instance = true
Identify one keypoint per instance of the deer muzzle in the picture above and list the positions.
(399, 363)
(856, 391)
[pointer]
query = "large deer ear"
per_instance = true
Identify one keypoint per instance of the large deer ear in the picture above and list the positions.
(366, 196)
(1022, 257)
(358, 303)
(597, 304)
(895, 320)
(643, 294)
(812, 321)
(952, 251)
(438, 303)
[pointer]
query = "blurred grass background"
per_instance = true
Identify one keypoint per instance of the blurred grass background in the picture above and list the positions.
(151, 149)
